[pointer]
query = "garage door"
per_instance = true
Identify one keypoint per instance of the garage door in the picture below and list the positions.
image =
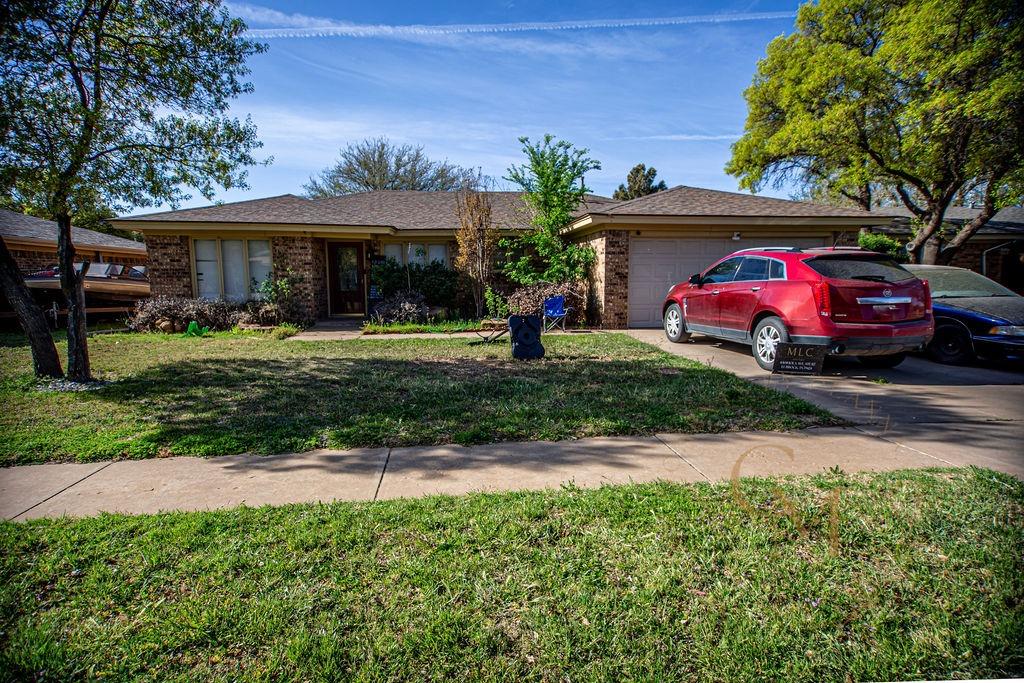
(656, 264)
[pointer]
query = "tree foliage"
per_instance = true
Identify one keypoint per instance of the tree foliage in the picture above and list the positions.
(639, 183)
(118, 103)
(553, 184)
(919, 98)
(477, 239)
(379, 164)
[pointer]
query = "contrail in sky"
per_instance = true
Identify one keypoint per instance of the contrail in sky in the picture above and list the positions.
(302, 26)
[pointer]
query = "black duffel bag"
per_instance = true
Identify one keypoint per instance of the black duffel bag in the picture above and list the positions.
(524, 331)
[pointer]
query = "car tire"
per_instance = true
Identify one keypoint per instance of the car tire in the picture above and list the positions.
(888, 361)
(768, 334)
(675, 325)
(951, 345)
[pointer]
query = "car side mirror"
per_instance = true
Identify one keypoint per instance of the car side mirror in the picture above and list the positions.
(695, 279)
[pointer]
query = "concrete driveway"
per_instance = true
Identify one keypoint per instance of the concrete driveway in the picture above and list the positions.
(961, 415)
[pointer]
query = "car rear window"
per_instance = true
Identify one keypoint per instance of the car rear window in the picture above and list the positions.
(878, 269)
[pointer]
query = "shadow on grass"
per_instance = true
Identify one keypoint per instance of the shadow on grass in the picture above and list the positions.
(216, 407)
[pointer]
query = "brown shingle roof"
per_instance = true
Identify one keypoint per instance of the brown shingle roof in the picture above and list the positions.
(14, 225)
(695, 201)
(401, 209)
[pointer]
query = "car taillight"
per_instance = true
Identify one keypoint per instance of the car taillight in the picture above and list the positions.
(823, 298)
(927, 294)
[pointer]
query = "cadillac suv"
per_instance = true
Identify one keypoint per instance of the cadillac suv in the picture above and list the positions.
(851, 301)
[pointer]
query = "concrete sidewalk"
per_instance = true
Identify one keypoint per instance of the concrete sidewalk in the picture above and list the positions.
(182, 483)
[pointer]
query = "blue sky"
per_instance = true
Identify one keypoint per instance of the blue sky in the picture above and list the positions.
(654, 82)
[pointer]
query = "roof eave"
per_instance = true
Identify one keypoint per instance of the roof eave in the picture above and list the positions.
(163, 226)
(592, 220)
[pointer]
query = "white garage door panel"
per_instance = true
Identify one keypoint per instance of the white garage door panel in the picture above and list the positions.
(655, 265)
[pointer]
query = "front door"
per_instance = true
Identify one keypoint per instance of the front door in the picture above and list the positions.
(345, 277)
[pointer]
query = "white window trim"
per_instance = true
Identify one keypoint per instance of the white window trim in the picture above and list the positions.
(250, 295)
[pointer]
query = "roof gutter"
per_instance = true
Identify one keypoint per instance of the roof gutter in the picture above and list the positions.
(594, 219)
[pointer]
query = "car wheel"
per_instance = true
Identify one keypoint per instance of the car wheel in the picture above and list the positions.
(675, 326)
(951, 344)
(889, 361)
(768, 334)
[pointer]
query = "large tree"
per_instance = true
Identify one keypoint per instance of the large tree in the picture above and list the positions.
(118, 103)
(918, 98)
(379, 164)
(553, 184)
(639, 183)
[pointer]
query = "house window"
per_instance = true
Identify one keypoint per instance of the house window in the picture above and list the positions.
(231, 269)
(416, 252)
(437, 252)
(393, 251)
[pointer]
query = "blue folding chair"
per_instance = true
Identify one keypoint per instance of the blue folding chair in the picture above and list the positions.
(555, 313)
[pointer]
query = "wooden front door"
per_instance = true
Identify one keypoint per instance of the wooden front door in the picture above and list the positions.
(346, 278)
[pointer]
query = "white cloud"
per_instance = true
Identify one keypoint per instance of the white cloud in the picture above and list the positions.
(682, 137)
(276, 24)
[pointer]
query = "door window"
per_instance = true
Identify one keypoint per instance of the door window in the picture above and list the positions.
(723, 272)
(348, 268)
(752, 269)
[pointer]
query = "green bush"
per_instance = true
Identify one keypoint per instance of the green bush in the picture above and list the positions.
(285, 330)
(440, 285)
(497, 305)
(883, 244)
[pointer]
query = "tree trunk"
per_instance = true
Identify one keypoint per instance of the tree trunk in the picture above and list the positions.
(930, 251)
(988, 209)
(925, 244)
(74, 293)
(45, 361)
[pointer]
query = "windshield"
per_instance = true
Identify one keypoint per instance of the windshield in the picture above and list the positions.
(877, 269)
(958, 283)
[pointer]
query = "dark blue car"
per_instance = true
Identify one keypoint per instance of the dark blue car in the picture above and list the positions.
(974, 316)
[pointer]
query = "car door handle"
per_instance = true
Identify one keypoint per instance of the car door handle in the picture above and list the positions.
(755, 289)
(714, 291)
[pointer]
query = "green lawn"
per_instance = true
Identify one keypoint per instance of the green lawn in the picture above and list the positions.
(233, 393)
(439, 327)
(642, 582)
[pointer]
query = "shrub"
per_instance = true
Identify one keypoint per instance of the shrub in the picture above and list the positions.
(529, 300)
(173, 314)
(883, 244)
(439, 285)
(285, 330)
(404, 307)
(277, 303)
(497, 306)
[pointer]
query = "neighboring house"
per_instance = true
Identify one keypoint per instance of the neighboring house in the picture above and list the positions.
(643, 245)
(996, 250)
(33, 243)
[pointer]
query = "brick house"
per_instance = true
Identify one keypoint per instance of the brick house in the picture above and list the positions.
(33, 243)
(643, 246)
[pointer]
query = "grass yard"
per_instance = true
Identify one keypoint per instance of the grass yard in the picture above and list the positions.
(438, 327)
(233, 393)
(641, 582)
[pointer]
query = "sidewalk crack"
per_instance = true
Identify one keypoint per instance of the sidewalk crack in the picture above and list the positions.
(384, 469)
(681, 457)
(74, 483)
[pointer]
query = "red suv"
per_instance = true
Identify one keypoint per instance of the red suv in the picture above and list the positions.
(855, 302)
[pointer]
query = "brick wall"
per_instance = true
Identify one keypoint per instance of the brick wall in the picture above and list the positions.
(306, 258)
(31, 260)
(170, 265)
(608, 288)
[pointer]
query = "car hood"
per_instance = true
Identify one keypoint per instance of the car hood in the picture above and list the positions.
(1008, 308)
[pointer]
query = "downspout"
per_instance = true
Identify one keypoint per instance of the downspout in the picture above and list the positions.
(984, 256)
